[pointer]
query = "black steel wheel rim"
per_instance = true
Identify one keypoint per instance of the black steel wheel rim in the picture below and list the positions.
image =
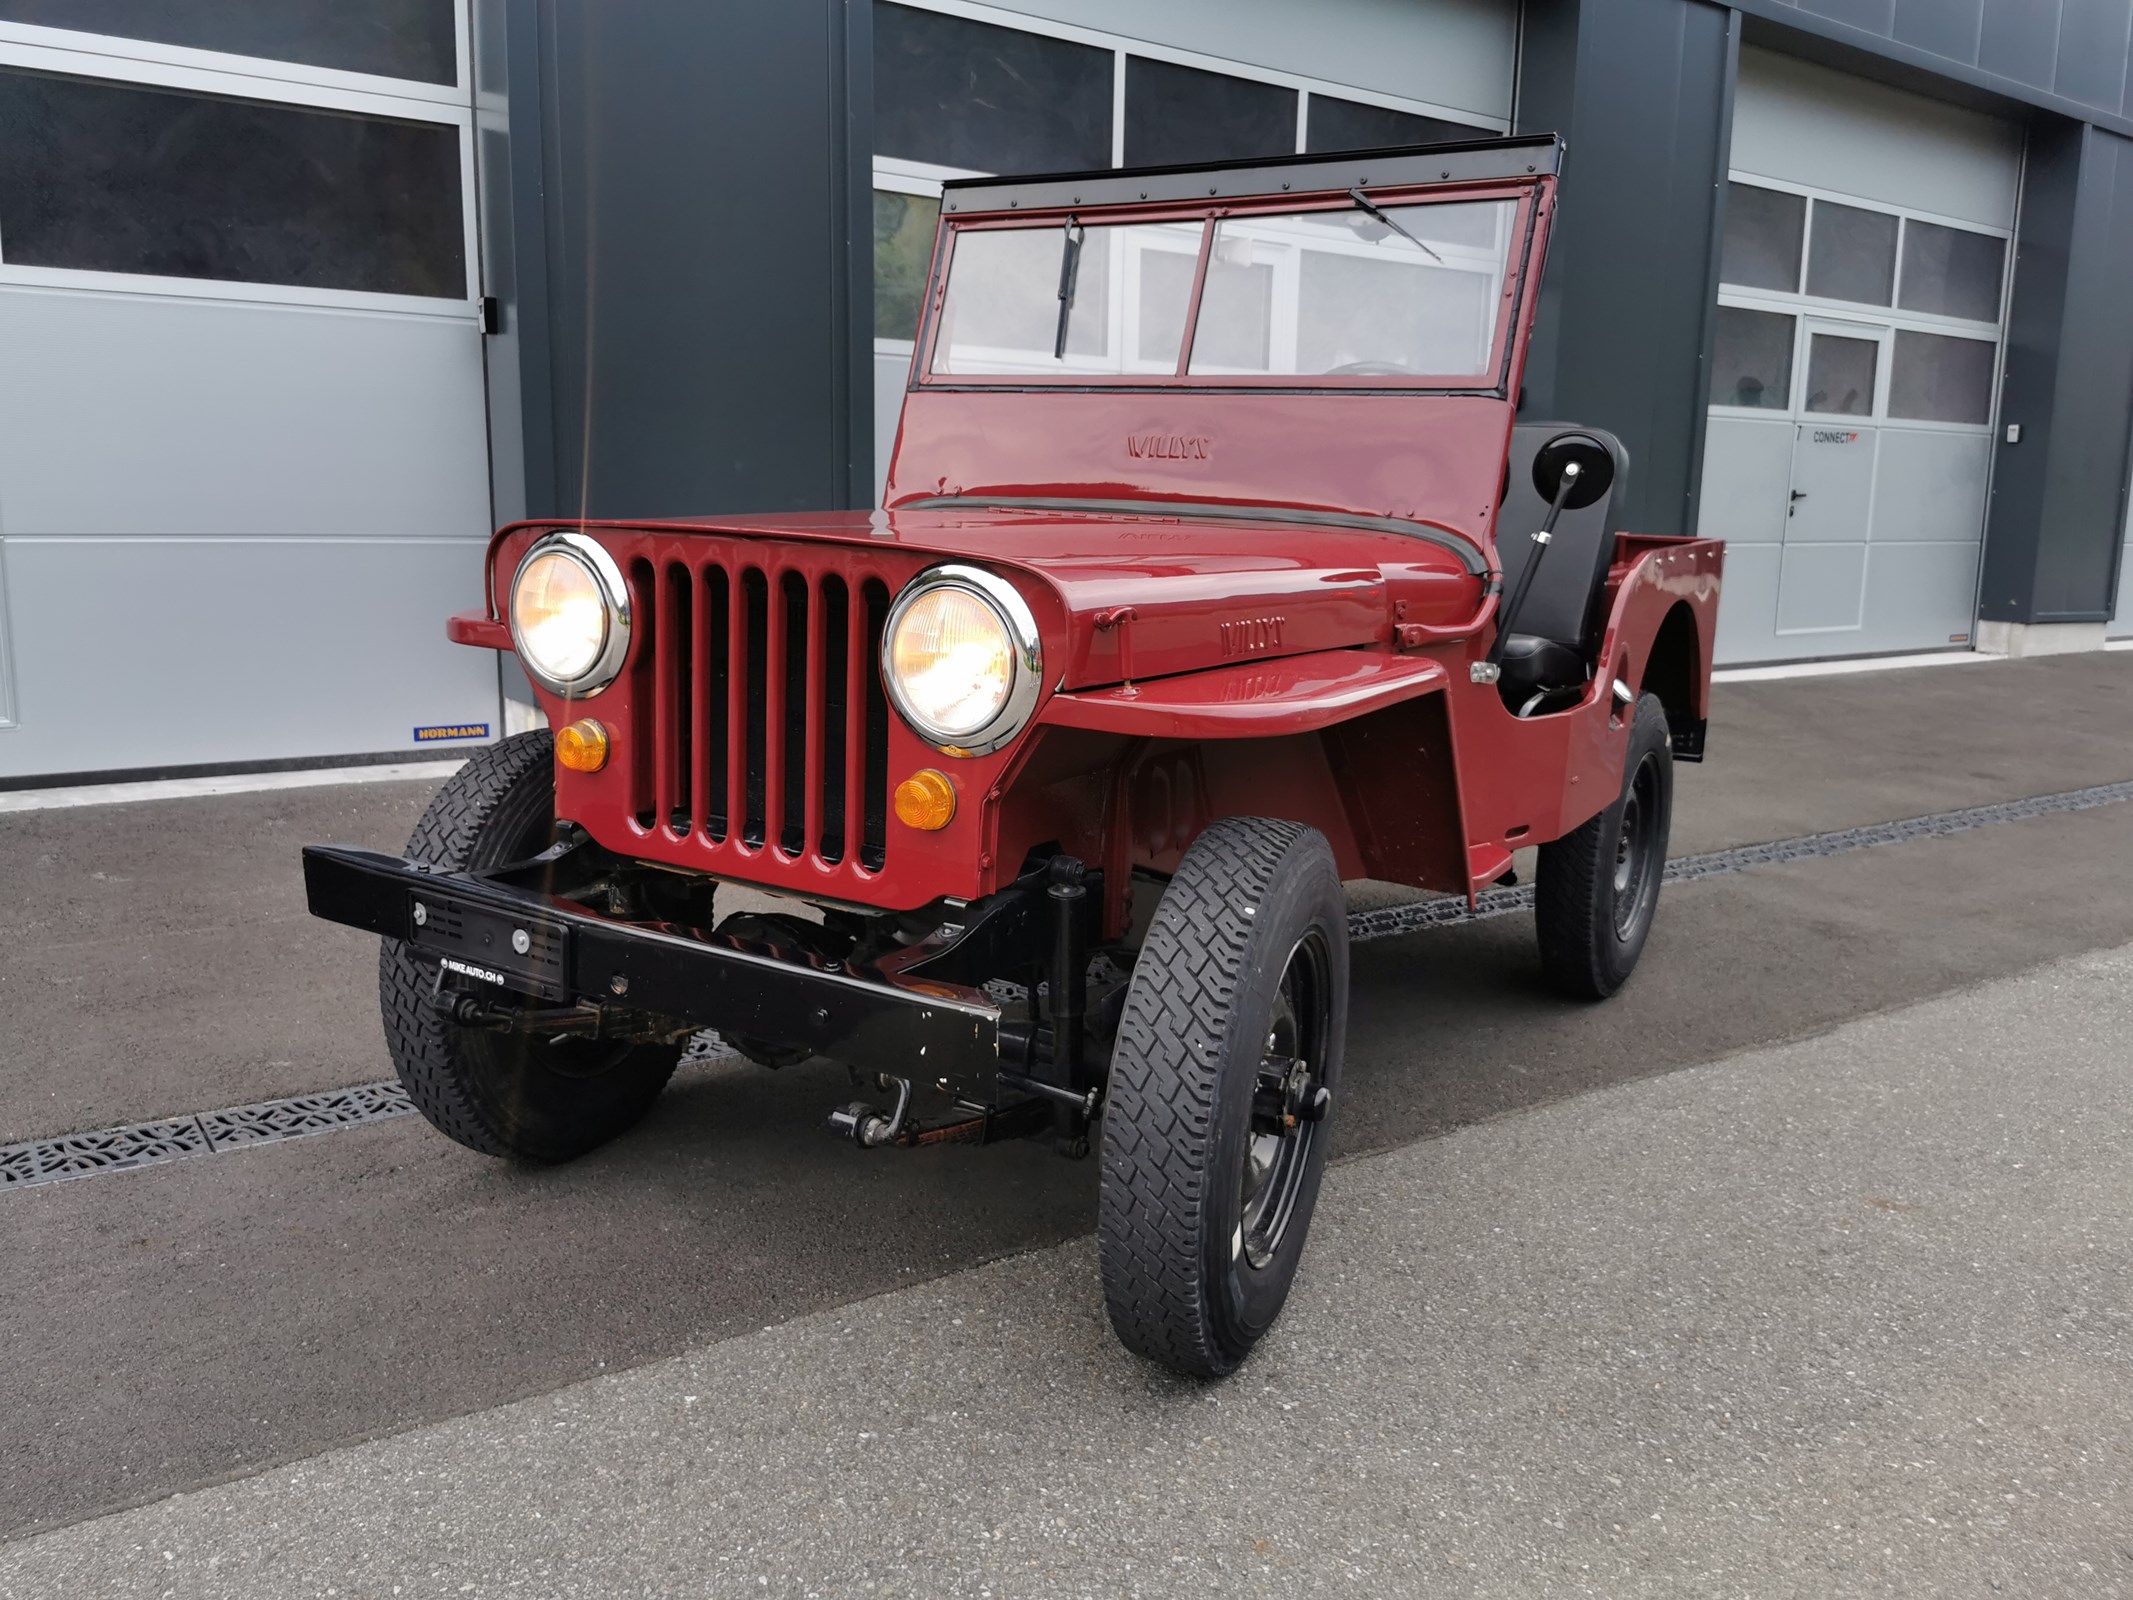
(1277, 1159)
(1637, 847)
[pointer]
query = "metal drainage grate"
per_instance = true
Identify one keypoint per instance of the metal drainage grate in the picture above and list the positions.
(81, 1155)
(1743, 858)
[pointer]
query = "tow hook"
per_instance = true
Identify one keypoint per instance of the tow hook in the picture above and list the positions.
(867, 1126)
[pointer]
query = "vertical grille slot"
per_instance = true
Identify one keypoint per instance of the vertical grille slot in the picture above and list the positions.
(789, 760)
(874, 809)
(713, 700)
(675, 692)
(643, 755)
(754, 619)
(829, 736)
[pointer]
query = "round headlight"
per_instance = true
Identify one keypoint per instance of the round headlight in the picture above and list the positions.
(961, 659)
(570, 619)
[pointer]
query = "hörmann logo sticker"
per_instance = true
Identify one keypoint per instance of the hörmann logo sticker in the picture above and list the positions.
(452, 730)
(1834, 436)
(1168, 446)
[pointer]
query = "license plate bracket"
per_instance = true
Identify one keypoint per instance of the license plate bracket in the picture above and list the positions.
(483, 944)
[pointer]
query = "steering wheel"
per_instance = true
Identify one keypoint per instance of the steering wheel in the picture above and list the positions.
(1370, 369)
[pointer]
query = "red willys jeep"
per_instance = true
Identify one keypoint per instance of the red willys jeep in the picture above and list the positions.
(1212, 574)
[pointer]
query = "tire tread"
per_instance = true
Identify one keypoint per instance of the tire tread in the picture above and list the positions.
(1158, 1120)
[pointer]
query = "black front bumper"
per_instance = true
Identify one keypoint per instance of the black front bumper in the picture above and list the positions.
(909, 1026)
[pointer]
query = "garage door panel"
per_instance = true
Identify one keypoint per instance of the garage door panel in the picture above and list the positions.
(134, 413)
(1931, 486)
(1821, 589)
(1747, 604)
(1796, 121)
(1920, 597)
(1747, 466)
(157, 652)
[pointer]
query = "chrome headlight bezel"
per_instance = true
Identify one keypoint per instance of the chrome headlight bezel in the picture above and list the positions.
(615, 606)
(1017, 621)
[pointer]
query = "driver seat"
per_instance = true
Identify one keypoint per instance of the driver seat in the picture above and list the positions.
(1560, 623)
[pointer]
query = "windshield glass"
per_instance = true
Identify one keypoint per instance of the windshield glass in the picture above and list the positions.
(1404, 291)
(1412, 291)
(1126, 291)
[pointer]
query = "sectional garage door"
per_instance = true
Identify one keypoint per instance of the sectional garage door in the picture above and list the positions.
(1864, 280)
(243, 438)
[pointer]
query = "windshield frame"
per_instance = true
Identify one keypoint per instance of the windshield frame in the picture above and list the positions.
(1510, 311)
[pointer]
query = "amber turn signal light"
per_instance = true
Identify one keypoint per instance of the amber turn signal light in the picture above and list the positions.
(582, 746)
(925, 801)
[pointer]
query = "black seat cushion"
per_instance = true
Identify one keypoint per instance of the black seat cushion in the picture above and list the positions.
(1531, 664)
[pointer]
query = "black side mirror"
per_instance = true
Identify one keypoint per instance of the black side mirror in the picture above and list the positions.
(1594, 476)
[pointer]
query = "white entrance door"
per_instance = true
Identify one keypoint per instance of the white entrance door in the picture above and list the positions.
(1841, 367)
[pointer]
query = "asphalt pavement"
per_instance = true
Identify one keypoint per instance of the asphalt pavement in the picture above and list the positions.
(1840, 1317)
(183, 1325)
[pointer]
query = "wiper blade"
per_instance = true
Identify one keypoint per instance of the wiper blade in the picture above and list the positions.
(1385, 217)
(1069, 272)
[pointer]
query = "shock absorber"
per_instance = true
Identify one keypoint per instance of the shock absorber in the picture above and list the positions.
(1070, 991)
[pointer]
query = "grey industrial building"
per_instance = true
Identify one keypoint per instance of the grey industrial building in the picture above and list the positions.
(299, 297)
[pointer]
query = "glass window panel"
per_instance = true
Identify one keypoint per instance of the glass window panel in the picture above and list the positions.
(1751, 359)
(1936, 378)
(1952, 272)
(1764, 231)
(1851, 254)
(123, 178)
(392, 38)
(1840, 375)
(1001, 312)
(1339, 293)
(904, 226)
(1177, 114)
(1336, 124)
(968, 94)
(1164, 295)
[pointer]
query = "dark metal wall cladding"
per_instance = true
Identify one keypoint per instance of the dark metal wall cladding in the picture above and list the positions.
(1640, 90)
(2073, 55)
(693, 190)
(2058, 499)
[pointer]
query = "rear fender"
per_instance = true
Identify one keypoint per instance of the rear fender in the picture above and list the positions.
(1531, 780)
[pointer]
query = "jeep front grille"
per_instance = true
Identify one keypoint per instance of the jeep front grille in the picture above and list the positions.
(768, 722)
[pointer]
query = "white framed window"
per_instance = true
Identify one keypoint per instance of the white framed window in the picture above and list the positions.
(344, 47)
(149, 166)
(1929, 292)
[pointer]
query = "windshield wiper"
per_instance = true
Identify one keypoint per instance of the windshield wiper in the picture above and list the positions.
(1069, 271)
(1385, 217)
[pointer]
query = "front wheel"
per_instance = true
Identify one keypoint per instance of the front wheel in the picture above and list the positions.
(538, 1099)
(1227, 1061)
(1598, 886)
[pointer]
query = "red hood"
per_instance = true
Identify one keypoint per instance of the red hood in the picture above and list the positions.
(1201, 590)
